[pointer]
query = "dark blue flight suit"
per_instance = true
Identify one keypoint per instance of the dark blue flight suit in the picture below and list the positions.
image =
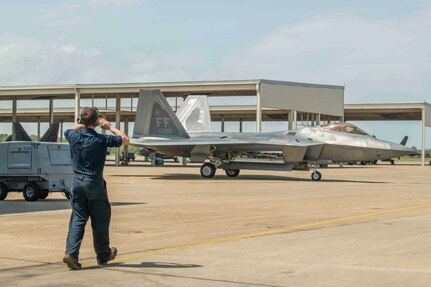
(88, 195)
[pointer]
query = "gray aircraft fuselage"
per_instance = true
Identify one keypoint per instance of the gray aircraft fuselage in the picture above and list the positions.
(337, 146)
(158, 129)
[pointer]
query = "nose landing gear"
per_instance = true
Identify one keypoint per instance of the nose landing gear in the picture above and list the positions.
(316, 176)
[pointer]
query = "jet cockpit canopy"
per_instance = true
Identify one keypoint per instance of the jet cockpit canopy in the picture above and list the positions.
(344, 128)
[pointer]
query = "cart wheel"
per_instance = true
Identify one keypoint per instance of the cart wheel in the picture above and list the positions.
(316, 176)
(232, 172)
(3, 190)
(208, 170)
(43, 194)
(31, 191)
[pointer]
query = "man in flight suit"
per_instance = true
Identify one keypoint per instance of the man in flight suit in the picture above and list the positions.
(88, 195)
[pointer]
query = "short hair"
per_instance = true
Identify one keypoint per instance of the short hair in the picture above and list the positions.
(89, 116)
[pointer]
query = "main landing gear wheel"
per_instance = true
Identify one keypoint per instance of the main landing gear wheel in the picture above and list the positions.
(232, 172)
(31, 191)
(3, 191)
(316, 176)
(208, 170)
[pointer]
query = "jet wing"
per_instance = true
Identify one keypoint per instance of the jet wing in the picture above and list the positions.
(293, 150)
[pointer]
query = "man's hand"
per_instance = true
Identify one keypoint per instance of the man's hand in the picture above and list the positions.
(104, 124)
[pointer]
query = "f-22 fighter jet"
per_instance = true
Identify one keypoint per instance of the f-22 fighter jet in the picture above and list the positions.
(158, 129)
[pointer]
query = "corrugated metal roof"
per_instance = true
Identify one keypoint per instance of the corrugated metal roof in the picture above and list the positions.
(210, 82)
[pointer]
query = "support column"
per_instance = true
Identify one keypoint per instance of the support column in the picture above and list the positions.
(38, 128)
(290, 116)
(126, 131)
(318, 120)
(14, 108)
(77, 105)
(295, 120)
(117, 125)
(258, 110)
(423, 138)
(222, 124)
(240, 125)
(61, 131)
(51, 111)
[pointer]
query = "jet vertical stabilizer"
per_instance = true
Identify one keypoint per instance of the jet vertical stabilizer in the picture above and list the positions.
(404, 141)
(155, 117)
(21, 134)
(194, 114)
(51, 135)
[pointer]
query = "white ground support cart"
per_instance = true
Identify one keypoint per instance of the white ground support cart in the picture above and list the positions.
(35, 169)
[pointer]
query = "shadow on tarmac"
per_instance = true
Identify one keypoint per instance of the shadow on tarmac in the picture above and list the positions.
(22, 206)
(164, 265)
(252, 177)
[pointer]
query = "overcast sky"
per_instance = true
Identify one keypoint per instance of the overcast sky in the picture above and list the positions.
(381, 50)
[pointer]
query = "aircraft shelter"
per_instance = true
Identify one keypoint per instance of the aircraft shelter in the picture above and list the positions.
(303, 103)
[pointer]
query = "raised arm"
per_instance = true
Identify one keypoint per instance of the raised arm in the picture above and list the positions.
(104, 124)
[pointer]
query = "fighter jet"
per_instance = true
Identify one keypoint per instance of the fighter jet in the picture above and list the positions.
(51, 135)
(158, 129)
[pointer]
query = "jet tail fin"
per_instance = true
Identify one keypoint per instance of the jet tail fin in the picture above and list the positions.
(155, 117)
(404, 141)
(194, 114)
(20, 133)
(51, 135)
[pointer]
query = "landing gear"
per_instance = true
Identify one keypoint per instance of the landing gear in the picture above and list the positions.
(316, 176)
(208, 170)
(232, 172)
(31, 191)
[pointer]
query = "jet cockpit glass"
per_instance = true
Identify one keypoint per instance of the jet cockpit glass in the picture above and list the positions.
(344, 128)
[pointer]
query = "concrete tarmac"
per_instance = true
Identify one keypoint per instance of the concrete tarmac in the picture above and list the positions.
(359, 226)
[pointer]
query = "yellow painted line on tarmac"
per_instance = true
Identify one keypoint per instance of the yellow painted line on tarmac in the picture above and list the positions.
(305, 226)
